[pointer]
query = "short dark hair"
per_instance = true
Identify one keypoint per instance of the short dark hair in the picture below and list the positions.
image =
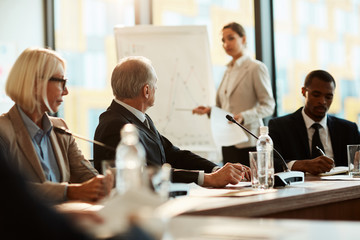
(320, 74)
(236, 28)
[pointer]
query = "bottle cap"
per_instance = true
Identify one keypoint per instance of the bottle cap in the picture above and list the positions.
(264, 130)
(129, 134)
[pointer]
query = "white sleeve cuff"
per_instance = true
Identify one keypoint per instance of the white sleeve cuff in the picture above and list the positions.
(201, 177)
(215, 169)
(290, 164)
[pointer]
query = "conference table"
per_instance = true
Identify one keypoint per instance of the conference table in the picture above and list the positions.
(314, 199)
(298, 211)
(229, 228)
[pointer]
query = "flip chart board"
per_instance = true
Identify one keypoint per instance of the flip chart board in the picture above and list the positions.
(181, 58)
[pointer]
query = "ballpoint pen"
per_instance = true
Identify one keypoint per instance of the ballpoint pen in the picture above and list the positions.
(321, 151)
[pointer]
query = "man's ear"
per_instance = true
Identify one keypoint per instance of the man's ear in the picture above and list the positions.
(303, 91)
(146, 91)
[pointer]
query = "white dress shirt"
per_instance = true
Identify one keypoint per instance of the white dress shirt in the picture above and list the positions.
(324, 135)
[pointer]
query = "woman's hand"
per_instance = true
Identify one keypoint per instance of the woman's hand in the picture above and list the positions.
(201, 110)
(92, 190)
(239, 118)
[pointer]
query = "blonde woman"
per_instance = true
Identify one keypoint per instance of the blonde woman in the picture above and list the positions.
(50, 161)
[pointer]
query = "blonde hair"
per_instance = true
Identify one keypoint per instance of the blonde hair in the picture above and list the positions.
(130, 75)
(27, 81)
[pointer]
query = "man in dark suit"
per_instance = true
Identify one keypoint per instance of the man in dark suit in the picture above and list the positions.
(134, 83)
(298, 136)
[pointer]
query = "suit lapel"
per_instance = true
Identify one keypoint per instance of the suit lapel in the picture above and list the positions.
(152, 133)
(25, 143)
(59, 156)
(335, 144)
(241, 73)
(301, 132)
(134, 120)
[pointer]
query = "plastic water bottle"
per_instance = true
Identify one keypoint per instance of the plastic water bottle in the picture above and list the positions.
(265, 163)
(130, 161)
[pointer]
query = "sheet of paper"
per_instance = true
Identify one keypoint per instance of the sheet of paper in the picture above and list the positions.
(232, 191)
(336, 170)
(340, 177)
(225, 133)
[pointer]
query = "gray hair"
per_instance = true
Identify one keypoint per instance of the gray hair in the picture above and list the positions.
(130, 75)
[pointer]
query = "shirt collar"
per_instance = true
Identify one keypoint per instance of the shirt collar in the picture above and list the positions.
(32, 128)
(239, 61)
(309, 122)
(140, 115)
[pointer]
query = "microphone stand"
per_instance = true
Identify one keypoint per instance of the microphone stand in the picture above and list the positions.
(282, 178)
(63, 130)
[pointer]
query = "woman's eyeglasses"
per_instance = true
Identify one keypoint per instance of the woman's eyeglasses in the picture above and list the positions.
(62, 80)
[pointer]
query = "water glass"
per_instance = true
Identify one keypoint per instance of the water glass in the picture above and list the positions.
(262, 172)
(353, 152)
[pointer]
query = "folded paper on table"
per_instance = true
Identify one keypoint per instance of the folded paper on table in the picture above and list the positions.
(240, 190)
(225, 133)
(340, 177)
(336, 170)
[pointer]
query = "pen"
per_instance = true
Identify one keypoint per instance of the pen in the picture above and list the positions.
(321, 151)
(85, 163)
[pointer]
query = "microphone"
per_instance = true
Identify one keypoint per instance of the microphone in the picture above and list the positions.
(63, 130)
(282, 178)
(231, 119)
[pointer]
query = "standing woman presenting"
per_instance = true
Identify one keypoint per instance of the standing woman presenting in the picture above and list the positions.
(245, 91)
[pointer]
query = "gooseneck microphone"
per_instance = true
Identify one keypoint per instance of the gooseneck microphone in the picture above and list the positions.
(63, 130)
(282, 178)
(231, 119)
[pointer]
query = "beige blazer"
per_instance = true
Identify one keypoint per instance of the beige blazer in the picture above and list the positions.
(251, 95)
(18, 149)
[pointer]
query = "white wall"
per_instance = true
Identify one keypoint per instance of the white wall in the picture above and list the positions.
(21, 26)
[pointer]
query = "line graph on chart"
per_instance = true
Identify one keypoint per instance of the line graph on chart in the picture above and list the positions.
(176, 98)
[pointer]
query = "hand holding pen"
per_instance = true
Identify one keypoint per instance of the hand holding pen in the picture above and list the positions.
(323, 154)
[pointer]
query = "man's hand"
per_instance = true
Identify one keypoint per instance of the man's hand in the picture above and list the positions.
(201, 110)
(92, 190)
(230, 173)
(314, 166)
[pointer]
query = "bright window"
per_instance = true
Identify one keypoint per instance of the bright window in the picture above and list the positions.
(84, 36)
(313, 35)
(214, 14)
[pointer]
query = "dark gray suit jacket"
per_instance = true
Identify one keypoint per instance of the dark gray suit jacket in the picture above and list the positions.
(290, 138)
(159, 149)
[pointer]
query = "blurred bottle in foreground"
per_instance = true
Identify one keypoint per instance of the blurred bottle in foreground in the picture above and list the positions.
(130, 161)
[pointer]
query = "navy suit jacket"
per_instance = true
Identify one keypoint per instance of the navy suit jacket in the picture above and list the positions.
(290, 137)
(159, 149)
